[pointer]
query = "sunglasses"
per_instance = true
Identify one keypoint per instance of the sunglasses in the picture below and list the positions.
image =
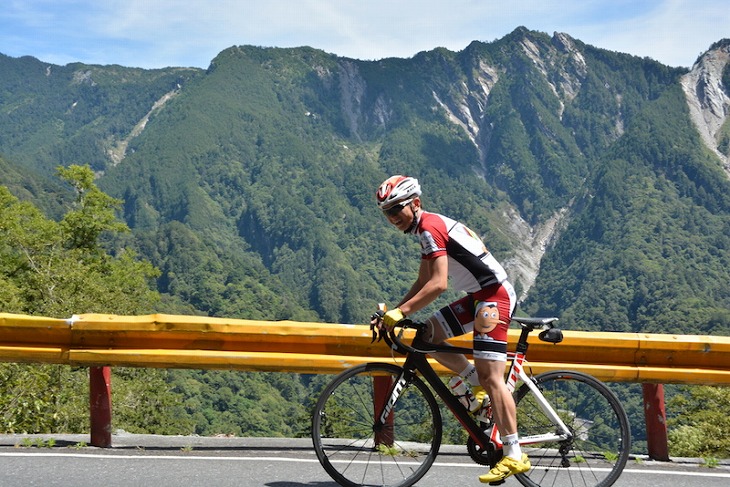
(396, 209)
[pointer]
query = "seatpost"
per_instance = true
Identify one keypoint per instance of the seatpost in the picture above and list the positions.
(522, 342)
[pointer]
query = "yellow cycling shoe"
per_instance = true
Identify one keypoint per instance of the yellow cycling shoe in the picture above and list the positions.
(505, 467)
(480, 394)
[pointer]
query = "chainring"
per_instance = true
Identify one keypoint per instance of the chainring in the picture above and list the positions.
(483, 456)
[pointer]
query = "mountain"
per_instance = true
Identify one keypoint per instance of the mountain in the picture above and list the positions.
(706, 88)
(599, 178)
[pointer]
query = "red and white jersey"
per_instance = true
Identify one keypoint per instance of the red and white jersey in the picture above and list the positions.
(471, 266)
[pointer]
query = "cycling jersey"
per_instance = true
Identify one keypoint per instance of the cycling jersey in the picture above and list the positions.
(471, 266)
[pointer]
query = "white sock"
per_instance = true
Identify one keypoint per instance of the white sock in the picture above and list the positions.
(511, 447)
(470, 375)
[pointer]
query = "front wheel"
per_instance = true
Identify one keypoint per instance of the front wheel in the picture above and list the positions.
(356, 448)
(597, 451)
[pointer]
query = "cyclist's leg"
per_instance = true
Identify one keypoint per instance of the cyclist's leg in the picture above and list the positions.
(490, 356)
(491, 377)
(451, 321)
(493, 313)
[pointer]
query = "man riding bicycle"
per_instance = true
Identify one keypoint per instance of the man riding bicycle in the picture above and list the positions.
(450, 249)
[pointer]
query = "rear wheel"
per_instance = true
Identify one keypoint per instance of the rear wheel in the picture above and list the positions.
(356, 448)
(597, 452)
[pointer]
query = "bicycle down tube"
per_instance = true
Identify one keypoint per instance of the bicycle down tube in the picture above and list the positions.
(419, 363)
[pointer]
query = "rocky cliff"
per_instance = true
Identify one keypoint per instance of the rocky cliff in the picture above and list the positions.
(708, 97)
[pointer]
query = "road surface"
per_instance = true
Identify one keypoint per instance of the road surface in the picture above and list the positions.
(175, 461)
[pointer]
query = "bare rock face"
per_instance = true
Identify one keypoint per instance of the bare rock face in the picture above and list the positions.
(709, 99)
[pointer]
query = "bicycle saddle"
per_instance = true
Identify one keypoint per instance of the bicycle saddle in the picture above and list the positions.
(533, 322)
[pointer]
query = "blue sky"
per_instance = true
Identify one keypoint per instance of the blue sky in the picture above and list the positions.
(161, 33)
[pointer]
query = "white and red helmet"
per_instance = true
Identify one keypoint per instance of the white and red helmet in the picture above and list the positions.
(397, 190)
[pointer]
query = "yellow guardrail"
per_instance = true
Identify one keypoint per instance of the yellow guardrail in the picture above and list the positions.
(173, 341)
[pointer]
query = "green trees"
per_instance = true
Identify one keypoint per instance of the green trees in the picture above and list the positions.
(60, 268)
(80, 265)
(241, 404)
(700, 425)
(648, 250)
(55, 269)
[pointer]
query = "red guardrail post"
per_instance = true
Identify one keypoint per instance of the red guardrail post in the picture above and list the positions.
(656, 422)
(381, 387)
(100, 406)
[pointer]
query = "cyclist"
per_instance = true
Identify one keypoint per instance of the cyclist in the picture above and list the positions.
(450, 249)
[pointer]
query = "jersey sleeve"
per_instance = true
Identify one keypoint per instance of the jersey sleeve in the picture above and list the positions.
(433, 236)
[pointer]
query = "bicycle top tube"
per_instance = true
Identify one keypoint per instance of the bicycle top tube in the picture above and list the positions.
(550, 333)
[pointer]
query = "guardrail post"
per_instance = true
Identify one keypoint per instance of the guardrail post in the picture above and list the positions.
(656, 422)
(100, 406)
(382, 386)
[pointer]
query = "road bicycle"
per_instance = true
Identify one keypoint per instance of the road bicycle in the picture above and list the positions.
(379, 424)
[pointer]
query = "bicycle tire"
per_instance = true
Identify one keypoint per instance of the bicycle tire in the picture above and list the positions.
(597, 453)
(344, 430)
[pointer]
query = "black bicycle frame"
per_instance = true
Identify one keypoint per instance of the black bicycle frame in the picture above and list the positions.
(416, 361)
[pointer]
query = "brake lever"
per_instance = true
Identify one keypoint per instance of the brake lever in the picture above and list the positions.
(376, 321)
(376, 334)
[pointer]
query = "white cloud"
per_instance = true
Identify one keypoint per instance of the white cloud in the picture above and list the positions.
(156, 33)
(673, 32)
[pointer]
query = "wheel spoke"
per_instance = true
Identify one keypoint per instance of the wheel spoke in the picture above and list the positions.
(596, 453)
(357, 451)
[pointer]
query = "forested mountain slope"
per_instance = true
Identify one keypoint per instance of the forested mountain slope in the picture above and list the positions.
(595, 176)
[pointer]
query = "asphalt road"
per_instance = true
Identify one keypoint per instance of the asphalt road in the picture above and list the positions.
(174, 461)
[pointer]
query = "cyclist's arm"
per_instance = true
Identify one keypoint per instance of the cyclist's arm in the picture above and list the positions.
(432, 280)
(422, 278)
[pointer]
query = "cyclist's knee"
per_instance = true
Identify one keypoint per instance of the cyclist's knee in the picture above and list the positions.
(491, 374)
(434, 333)
(487, 380)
